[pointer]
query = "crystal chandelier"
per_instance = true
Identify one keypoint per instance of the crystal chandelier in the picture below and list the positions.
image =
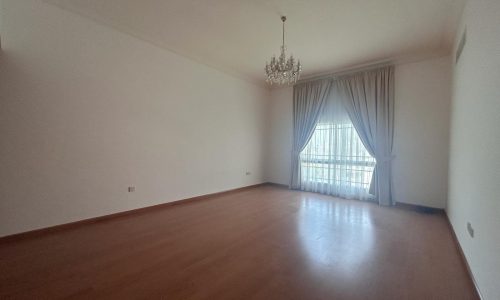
(282, 70)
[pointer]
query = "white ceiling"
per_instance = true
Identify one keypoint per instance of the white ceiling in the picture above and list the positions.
(238, 36)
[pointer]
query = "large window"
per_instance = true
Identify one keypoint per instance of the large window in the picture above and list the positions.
(336, 162)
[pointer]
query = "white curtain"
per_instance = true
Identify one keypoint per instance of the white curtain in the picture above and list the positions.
(334, 161)
(343, 135)
(368, 98)
(308, 102)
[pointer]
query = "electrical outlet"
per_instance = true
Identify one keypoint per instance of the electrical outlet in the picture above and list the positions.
(248, 173)
(131, 189)
(470, 229)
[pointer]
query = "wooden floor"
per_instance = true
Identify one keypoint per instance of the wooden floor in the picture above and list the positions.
(261, 243)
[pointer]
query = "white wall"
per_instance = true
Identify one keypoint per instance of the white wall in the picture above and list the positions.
(421, 132)
(86, 111)
(422, 92)
(279, 136)
(474, 189)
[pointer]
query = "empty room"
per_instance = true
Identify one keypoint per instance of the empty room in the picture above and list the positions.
(250, 149)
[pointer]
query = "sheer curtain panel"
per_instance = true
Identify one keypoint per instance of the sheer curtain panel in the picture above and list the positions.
(335, 161)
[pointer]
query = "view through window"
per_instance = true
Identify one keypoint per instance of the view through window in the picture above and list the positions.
(336, 162)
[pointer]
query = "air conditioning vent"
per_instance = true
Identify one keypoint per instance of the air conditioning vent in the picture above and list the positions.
(461, 46)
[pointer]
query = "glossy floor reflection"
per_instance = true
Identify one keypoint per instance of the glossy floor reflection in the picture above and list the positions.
(326, 228)
(263, 243)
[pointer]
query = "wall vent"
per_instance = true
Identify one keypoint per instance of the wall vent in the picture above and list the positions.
(461, 46)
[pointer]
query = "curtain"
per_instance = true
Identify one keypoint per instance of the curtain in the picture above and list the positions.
(335, 161)
(308, 101)
(368, 98)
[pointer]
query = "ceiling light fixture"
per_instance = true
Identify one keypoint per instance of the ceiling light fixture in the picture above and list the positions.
(282, 70)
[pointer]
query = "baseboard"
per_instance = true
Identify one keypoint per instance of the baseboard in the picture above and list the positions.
(280, 185)
(464, 259)
(71, 225)
(419, 208)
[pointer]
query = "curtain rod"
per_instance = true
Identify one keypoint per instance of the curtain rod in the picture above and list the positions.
(347, 71)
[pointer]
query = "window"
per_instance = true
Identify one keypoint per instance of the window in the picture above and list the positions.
(336, 162)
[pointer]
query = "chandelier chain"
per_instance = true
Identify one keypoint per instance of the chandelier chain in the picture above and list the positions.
(283, 41)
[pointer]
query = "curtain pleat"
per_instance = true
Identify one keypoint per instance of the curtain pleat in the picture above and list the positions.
(308, 101)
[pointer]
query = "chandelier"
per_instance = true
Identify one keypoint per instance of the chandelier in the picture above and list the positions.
(283, 70)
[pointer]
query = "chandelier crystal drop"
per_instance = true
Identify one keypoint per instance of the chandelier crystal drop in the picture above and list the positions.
(283, 70)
